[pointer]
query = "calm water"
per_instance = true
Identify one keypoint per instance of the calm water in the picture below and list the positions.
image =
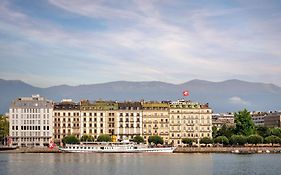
(139, 164)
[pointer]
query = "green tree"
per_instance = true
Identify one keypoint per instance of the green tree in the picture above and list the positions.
(222, 140)
(263, 131)
(214, 131)
(206, 140)
(255, 139)
(104, 138)
(238, 140)
(276, 132)
(71, 139)
(244, 123)
(187, 141)
(87, 138)
(4, 128)
(225, 131)
(155, 139)
(138, 139)
(272, 139)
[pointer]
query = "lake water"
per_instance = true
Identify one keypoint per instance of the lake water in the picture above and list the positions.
(139, 164)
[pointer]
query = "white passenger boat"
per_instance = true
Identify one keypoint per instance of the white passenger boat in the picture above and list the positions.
(115, 147)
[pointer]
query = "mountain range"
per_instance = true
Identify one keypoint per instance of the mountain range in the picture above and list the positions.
(225, 96)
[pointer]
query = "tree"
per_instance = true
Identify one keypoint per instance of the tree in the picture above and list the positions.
(155, 139)
(4, 128)
(272, 139)
(138, 139)
(244, 123)
(87, 138)
(71, 139)
(255, 139)
(226, 131)
(104, 138)
(263, 131)
(222, 140)
(276, 132)
(206, 140)
(214, 131)
(187, 141)
(238, 140)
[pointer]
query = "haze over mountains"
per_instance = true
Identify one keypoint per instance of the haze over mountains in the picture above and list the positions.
(226, 96)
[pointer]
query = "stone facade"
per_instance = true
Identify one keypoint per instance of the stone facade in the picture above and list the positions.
(172, 121)
(156, 120)
(129, 120)
(31, 122)
(189, 120)
(66, 119)
(273, 119)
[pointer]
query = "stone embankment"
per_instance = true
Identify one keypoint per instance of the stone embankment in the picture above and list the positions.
(241, 150)
(245, 150)
(32, 150)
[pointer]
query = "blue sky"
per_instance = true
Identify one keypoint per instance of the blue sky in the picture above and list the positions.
(52, 42)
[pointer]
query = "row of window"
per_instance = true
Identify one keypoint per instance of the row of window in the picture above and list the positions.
(127, 120)
(67, 114)
(30, 139)
(131, 126)
(31, 134)
(31, 110)
(161, 125)
(68, 125)
(191, 117)
(190, 135)
(33, 128)
(64, 119)
(190, 128)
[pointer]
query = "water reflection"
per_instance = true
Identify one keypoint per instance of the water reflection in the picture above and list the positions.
(137, 164)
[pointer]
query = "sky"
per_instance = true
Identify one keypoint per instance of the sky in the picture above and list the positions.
(54, 42)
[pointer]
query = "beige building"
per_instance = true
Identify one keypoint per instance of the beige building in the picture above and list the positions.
(258, 118)
(98, 118)
(155, 120)
(189, 120)
(66, 120)
(272, 119)
(31, 121)
(129, 120)
(227, 119)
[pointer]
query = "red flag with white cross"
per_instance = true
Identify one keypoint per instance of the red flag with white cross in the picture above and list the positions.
(185, 93)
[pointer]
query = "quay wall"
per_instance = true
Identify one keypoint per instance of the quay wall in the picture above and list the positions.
(227, 149)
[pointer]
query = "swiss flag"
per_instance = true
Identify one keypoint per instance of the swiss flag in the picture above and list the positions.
(51, 144)
(185, 93)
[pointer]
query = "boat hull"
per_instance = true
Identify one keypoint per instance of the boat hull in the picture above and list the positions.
(140, 150)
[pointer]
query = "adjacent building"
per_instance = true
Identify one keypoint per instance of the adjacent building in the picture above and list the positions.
(189, 120)
(98, 117)
(35, 120)
(129, 120)
(66, 120)
(218, 120)
(31, 122)
(258, 118)
(272, 119)
(155, 120)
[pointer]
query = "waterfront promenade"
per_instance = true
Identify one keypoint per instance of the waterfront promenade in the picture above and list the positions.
(178, 150)
(227, 149)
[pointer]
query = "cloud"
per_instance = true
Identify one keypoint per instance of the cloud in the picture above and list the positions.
(141, 40)
(238, 100)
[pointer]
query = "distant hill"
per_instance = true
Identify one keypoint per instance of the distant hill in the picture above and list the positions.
(226, 96)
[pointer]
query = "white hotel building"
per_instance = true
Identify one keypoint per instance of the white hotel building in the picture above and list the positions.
(31, 121)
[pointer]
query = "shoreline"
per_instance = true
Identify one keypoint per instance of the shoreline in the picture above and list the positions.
(237, 150)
